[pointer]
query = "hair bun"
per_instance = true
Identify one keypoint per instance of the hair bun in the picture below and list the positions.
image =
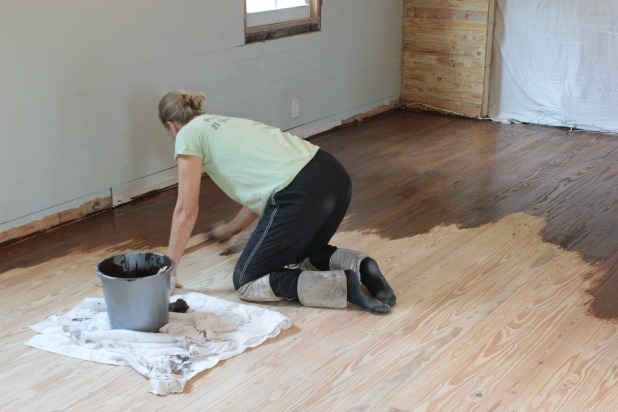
(197, 102)
(181, 106)
(185, 98)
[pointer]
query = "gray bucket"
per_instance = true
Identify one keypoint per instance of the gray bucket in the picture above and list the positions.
(136, 290)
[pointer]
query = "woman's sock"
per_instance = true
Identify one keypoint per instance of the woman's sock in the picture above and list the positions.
(359, 297)
(375, 282)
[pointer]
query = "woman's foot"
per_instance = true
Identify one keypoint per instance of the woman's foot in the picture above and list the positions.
(376, 283)
(359, 297)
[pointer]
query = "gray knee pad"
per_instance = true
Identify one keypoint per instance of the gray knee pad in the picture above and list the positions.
(258, 291)
(323, 289)
(341, 259)
(346, 259)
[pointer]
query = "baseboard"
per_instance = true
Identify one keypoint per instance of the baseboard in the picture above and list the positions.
(52, 220)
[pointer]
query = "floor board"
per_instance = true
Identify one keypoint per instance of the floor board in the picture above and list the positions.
(500, 241)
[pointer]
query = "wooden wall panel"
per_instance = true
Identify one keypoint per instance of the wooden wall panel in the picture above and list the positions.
(446, 50)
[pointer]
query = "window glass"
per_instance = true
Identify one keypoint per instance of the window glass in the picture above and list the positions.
(256, 6)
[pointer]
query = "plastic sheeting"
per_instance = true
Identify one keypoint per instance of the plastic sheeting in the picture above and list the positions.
(556, 63)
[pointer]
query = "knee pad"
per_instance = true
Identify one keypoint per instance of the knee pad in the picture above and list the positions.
(323, 289)
(347, 259)
(258, 291)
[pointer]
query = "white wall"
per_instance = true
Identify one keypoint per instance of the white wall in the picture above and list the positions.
(556, 63)
(80, 81)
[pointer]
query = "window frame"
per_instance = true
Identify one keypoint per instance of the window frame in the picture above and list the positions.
(286, 28)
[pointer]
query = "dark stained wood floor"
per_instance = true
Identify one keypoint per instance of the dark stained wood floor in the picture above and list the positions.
(411, 172)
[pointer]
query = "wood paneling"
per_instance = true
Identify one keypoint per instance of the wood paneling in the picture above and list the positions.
(446, 50)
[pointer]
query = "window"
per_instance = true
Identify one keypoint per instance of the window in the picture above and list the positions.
(271, 19)
(264, 12)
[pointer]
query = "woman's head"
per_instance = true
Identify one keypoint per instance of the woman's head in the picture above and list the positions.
(180, 107)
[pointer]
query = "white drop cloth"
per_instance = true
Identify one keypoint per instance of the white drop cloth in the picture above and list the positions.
(212, 330)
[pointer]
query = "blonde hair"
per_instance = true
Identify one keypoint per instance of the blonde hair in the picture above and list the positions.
(180, 106)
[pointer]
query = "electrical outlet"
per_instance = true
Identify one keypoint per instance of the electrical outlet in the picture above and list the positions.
(295, 108)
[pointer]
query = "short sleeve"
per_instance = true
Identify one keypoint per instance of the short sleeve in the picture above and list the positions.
(188, 142)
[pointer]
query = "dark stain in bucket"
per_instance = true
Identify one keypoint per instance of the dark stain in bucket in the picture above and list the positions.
(132, 265)
(132, 273)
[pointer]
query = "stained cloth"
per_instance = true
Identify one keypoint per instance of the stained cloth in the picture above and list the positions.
(212, 330)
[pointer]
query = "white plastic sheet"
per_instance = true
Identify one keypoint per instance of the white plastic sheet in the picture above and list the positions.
(556, 63)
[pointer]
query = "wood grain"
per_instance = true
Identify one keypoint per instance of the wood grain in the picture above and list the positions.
(500, 241)
(446, 55)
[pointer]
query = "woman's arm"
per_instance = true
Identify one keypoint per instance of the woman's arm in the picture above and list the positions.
(223, 231)
(186, 210)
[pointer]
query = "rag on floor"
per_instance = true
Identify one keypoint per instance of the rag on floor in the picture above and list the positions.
(212, 330)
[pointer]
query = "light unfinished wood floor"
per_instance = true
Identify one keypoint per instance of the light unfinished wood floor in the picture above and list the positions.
(491, 315)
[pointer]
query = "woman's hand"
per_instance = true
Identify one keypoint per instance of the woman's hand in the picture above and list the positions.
(223, 231)
(219, 232)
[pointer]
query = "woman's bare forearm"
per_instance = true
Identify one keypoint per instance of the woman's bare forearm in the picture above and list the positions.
(183, 222)
(187, 205)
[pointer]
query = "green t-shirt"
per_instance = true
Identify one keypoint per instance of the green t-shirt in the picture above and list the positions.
(248, 160)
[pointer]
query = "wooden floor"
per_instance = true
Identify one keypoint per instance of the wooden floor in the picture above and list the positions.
(501, 242)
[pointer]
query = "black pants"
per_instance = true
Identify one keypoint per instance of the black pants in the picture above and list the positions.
(299, 221)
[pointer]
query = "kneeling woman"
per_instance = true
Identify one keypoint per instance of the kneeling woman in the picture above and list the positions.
(300, 194)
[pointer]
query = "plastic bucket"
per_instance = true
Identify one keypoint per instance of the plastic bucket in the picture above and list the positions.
(136, 287)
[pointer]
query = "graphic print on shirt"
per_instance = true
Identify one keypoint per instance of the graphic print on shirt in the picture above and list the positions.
(215, 122)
